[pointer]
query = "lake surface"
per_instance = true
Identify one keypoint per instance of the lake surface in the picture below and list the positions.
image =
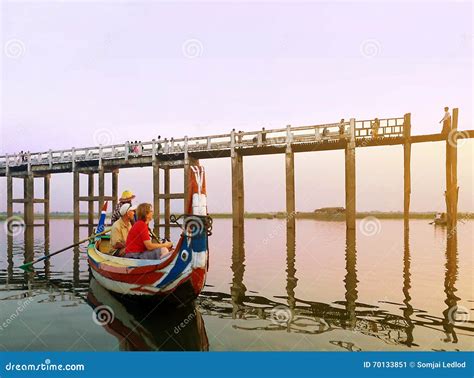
(375, 289)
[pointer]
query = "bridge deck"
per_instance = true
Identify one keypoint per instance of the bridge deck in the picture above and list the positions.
(173, 152)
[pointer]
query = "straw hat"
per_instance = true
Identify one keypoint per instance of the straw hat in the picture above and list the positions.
(127, 195)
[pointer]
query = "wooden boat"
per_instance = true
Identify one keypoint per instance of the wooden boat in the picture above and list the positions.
(146, 326)
(180, 276)
(440, 219)
(439, 222)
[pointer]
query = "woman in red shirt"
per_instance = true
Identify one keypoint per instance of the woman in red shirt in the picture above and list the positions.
(139, 244)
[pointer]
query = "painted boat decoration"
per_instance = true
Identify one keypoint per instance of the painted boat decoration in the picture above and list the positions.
(145, 326)
(179, 277)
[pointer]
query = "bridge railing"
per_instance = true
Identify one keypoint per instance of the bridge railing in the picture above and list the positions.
(387, 127)
(384, 127)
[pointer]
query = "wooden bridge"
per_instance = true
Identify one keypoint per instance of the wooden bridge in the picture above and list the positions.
(182, 153)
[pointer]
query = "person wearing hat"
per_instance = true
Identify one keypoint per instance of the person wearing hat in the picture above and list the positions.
(127, 197)
(121, 228)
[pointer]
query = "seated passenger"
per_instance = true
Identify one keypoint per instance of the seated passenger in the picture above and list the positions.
(121, 228)
(139, 244)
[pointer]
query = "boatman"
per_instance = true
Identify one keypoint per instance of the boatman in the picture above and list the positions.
(121, 228)
(127, 197)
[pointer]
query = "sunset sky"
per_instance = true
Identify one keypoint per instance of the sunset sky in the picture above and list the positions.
(138, 70)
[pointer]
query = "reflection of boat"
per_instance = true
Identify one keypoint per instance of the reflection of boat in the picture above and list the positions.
(148, 326)
(183, 273)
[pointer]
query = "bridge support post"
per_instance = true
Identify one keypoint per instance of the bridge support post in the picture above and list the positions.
(350, 177)
(156, 196)
(28, 196)
(9, 198)
(290, 189)
(90, 204)
(167, 202)
(47, 208)
(237, 196)
(75, 190)
(406, 169)
(452, 188)
(115, 177)
(101, 189)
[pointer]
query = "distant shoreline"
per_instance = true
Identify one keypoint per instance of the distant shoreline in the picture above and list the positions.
(281, 215)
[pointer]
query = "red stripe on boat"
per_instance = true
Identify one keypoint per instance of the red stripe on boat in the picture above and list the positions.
(139, 279)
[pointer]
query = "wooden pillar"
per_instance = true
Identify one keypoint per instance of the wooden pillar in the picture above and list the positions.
(75, 189)
(156, 197)
(47, 209)
(451, 194)
(101, 189)
(350, 177)
(47, 197)
(28, 195)
(90, 204)
(167, 203)
(186, 187)
(406, 169)
(237, 194)
(290, 189)
(115, 177)
(9, 196)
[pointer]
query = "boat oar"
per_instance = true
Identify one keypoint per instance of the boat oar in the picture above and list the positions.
(27, 267)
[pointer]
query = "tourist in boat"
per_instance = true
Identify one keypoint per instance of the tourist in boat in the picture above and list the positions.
(446, 121)
(139, 244)
(121, 228)
(375, 127)
(127, 197)
(325, 132)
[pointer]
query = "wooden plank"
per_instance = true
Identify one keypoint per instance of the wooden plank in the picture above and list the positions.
(170, 196)
(94, 199)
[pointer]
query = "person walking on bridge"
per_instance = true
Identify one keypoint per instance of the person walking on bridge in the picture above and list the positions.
(446, 121)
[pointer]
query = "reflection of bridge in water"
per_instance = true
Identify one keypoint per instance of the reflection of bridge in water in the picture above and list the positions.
(307, 317)
(284, 313)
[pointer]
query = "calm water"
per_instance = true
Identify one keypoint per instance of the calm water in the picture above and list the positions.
(376, 289)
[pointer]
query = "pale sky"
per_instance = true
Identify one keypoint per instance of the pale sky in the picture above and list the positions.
(138, 70)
